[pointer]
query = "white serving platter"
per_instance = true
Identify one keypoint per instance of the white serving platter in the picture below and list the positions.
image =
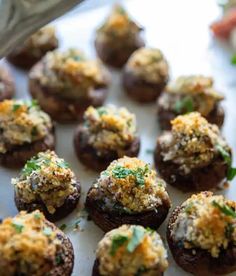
(181, 30)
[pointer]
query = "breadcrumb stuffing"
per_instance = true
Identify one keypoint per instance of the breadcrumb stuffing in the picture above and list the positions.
(200, 89)
(28, 245)
(132, 185)
(192, 142)
(206, 221)
(69, 73)
(118, 26)
(150, 256)
(45, 177)
(149, 64)
(110, 128)
(21, 122)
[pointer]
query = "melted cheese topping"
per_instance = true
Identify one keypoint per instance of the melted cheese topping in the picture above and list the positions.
(149, 64)
(118, 26)
(69, 73)
(28, 245)
(20, 123)
(110, 128)
(199, 88)
(130, 184)
(192, 142)
(45, 177)
(205, 223)
(150, 256)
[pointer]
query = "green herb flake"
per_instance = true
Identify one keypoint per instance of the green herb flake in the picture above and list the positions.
(47, 231)
(139, 173)
(102, 111)
(142, 269)
(18, 226)
(16, 106)
(188, 208)
(184, 105)
(233, 59)
(30, 166)
(37, 216)
(228, 211)
(63, 227)
(117, 242)
(137, 237)
(62, 164)
(59, 259)
(231, 173)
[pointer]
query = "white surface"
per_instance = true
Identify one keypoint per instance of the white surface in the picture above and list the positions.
(180, 29)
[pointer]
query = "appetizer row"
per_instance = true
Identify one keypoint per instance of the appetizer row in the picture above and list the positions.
(201, 235)
(192, 155)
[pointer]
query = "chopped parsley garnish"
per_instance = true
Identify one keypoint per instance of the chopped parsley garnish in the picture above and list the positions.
(16, 106)
(117, 241)
(184, 105)
(139, 173)
(228, 211)
(37, 216)
(229, 230)
(30, 166)
(227, 158)
(188, 208)
(62, 164)
(59, 259)
(142, 269)
(18, 226)
(233, 59)
(47, 231)
(63, 227)
(137, 237)
(101, 111)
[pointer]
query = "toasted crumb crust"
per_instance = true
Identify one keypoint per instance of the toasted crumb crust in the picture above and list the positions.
(203, 178)
(18, 156)
(89, 157)
(110, 220)
(117, 57)
(69, 205)
(60, 109)
(141, 90)
(216, 116)
(199, 261)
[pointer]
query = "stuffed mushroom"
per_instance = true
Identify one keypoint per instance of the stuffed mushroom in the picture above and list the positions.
(145, 75)
(25, 131)
(118, 38)
(106, 134)
(66, 83)
(47, 183)
(31, 245)
(7, 86)
(202, 235)
(193, 156)
(128, 192)
(130, 250)
(187, 94)
(34, 48)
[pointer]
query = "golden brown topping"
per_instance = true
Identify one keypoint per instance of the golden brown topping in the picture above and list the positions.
(44, 36)
(131, 250)
(193, 141)
(206, 221)
(110, 128)
(130, 184)
(21, 122)
(28, 245)
(70, 73)
(196, 88)
(149, 63)
(118, 26)
(45, 177)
